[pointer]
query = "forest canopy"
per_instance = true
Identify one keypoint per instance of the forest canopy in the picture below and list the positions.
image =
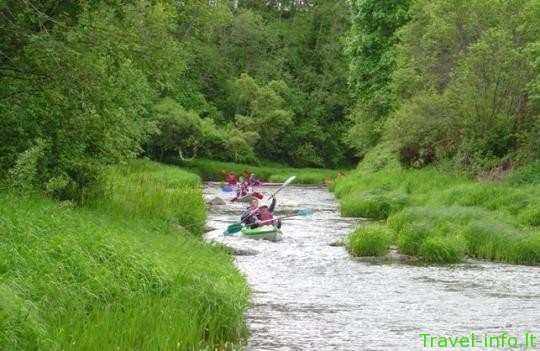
(313, 83)
(88, 83)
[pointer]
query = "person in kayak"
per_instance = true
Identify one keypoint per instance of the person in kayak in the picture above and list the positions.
(231, 179)
(250, 214)
(265, 215)
(253, 215)
(242, 187)
(253, 181)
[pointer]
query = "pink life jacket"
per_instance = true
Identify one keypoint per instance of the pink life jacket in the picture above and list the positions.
(265, 215)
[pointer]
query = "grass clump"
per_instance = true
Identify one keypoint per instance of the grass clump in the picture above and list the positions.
(370, 240)
(443, 249)
(75, 279)
(493, 240)
(376, 205)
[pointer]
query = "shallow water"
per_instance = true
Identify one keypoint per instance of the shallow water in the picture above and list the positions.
(308, 295)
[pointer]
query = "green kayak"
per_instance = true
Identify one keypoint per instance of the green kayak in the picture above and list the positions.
(267, 232)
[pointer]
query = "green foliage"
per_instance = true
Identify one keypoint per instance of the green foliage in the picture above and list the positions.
(442, 218)
(529, 174)
(22, 177)
(261, 110)
(425, 138)
(463, 79)
(380, 157)
(530, 216)
(98, 81)
(80, 279)
(369, 240)
(371, 48)
(443, 249)
(180, 130)
(294, 54)
(92, 91)
(145, 190)
(373, 204)
(20, 322)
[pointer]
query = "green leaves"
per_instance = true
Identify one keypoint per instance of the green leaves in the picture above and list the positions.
(457, 80)
(371, 48)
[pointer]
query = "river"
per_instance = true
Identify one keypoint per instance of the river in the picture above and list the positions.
(308, 295)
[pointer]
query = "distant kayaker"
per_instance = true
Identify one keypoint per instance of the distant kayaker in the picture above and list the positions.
(242, 187)
(231, 179)
(253, 181)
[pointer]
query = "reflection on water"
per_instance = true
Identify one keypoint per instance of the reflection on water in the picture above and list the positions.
(308, 295)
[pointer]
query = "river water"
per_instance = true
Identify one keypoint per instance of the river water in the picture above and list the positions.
(308, 295)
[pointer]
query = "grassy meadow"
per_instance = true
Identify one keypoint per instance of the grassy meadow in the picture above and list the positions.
(442, 217)
(127, 272)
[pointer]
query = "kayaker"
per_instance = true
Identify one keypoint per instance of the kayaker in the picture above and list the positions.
(245, 173)
(254, 215)
(265, 215)
(250, 214)
(242, 187)
(253, 181)
(231, 179)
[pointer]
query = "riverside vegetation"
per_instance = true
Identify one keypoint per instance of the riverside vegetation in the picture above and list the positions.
(128, 271)
(450, 90)
(442, 217)
(270, 172)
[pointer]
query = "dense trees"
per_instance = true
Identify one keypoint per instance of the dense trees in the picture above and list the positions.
(463, 85)
(91, 82)
(86, 83)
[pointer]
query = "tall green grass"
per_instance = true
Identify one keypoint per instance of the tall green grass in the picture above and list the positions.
(145, 189)
(374, 204)
(369, 240)
(212, 170)
(115, 279)
(443, 217)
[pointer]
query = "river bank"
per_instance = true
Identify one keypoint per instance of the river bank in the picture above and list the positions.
(441, 217)
(73, 278)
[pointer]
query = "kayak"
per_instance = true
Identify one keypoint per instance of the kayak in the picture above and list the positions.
(267, 232)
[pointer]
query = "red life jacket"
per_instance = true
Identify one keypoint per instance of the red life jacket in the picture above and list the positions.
(231, 179)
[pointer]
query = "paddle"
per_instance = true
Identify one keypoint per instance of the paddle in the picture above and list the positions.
(287, 182)
(236, 227)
